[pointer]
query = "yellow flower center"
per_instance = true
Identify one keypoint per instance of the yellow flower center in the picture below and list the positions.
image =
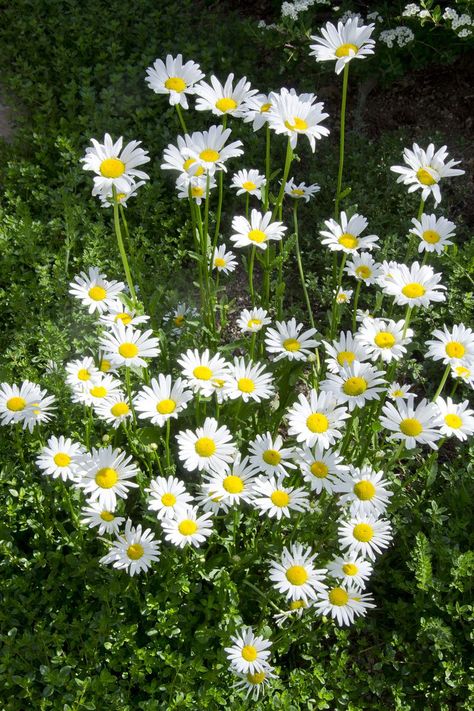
(179, 321)
(350, 569)
(355, 386)
(98, 391)
(254, 322)
(319, 470)
(298, 124)
(345, 357)
(264, 108)
(106, 478)
(188, 163)
(135, 551)
(226, 104)
(363, 532)
(166, 407)
(61, 459)
(338, 596)
(453, 421)
(246, 385)
(205, 447)
(384, 339)
(218, 382)
(249, 653)
(97, 293)
(83, 374)
(425, 177)
(345, 49)
(364, 490)
(209, 155)
(431, 236)
(187, 527)
(341, 298)
(120, 409)
(454, 349)
(112, 168)
(128, 350)
(202, 372)
(219, 262)
(363, 272)
(15, 404)
(107, 516)
(411, 427)
(175, 84)
(297, 604)
(291, 344)
(271, 456)
(413, 290)
(105, 366)
(257, 236)
(348, 241)
(233, 484)
(397, 393)
(280, 498)
(296, 575)
(124, 318)
(249, 185)
(317, 423)
(462, 371)
(256, 678)
(197, 191)
(168, 499)
(297, 191)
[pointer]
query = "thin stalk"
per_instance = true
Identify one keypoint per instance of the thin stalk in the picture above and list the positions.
(443, 382)
(277, 210)
(181, 118)
(247, 200)
(345, 81)
(129, 394)
(121, 247)
(267, 168)
(412, 236)
(356, 301)
(334, 311)
(300, 265)
(251, 265)
(167, 442)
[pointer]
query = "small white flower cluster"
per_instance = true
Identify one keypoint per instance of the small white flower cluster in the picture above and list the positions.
(399, 35)
(457, 21)
(375, 16)
(411, 10)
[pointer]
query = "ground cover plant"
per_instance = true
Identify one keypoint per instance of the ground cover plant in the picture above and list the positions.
(262, 401)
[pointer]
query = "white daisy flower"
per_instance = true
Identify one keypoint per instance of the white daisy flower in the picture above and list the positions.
(343, 296)
(209, 150)
(287, 341)
(248, 182)
(187, 528)
(250, 381)
(396, 391)
(317, 420)
(81, 371)
(105, 366)
(365, 534)
(196, 186)
(254, 684)
(434, 233)
(456, 418)
(424, 170)
(233, 484)
(96, 516)
(113, 409)
(257, 231)
(61, 457)
(95, 291)
(106, 474)
(124, 345)
(464, 370)
(179, 317)
(177, 158)
(362, 314)
(253, 321)
(451, 346)
(97, 390)
(296, 609)
(413, 425)
(256, 110)
(134, 551)
(202, 371)
(107, 199)
(414, 286)
(209, 500)
(347, 41)
(344, 351)
(383, 338)
(39, 411)
(343, 604)
(365, 490)
(351, 570)
(210, 447)
(248, 653)
(224, 99)
(118, 311)
(167, 495)
(274, 499)
(345, 235)
(162, 399)
(268, 455)
(364, 268)
(320, 468)
(17, 401)
(295, 575)
(355, 384)
(223, 260)
(294, 115)
(301, 191)
(114, 167)
(174, 78)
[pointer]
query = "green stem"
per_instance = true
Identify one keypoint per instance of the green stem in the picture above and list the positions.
(443, 381)
(345, 81)
(129, 394)
(267, 168)
(356, 301)
(277, 210)
(167, 442)
(396, 455)
(334, 311)
(247, 200)
(251, 265)
(408, 315)
(300, 265)
(412, 236)
(220, 181)
(181, 118)
(121, 247)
